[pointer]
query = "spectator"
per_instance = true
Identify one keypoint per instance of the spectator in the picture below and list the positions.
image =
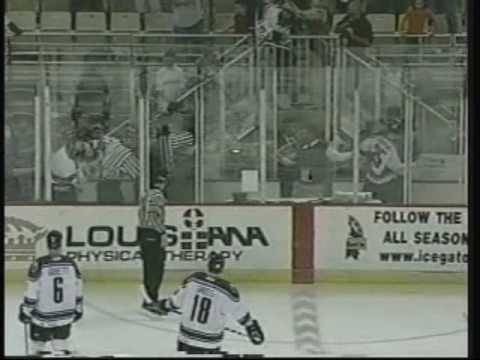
(342, 5)
(170, 82)
(189, 16)
(11, 29)
(355, 29)
(319, 17)
(417, 20)
(450, 8)
(240, 18)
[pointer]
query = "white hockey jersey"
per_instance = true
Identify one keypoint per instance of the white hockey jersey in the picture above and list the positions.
(206, 301)
(54, 291)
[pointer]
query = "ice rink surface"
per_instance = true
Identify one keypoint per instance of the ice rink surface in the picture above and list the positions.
(353, 320)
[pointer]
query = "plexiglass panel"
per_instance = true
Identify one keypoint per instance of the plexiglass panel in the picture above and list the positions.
(89, 116)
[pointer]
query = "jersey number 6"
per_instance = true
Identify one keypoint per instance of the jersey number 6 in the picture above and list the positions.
(201, 309)
(57, 289)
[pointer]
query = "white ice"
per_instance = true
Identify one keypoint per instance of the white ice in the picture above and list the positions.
(354, 320)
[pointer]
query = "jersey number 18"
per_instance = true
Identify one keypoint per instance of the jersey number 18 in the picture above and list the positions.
(201, 309)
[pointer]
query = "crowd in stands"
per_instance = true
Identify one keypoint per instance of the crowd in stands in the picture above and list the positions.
(203, 16)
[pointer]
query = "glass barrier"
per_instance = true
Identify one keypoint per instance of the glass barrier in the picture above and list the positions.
(404, 150)
(90, 109)
(22, 133)
(101, 124)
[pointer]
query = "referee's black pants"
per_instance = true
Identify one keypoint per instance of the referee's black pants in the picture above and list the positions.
(153, 257)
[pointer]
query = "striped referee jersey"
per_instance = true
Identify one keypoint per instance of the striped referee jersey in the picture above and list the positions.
(151, 213)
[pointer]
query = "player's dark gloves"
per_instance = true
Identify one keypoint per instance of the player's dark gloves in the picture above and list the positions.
(78, 316)
(23, 317)
(255, 333)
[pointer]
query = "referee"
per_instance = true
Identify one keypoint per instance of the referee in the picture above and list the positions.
(152, 241)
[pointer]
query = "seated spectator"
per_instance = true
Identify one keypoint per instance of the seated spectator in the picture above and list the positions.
(417, 20)
(240, 18)
(355, 29)
(188, 16)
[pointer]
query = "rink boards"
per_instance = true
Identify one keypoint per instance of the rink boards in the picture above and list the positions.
(260, 242)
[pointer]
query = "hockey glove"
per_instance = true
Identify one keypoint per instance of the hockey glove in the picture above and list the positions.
(23, 316)
(78, 316)
(255, 332)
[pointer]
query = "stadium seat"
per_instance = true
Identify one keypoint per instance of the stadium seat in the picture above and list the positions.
(123, 6)
(55, 5)
(223, 22)
(88, 5)
(382, 23)
(224, 6)
(23, 5)
(153, 6)
(25, 20)
(158, 22)
(140, 6)
(125, 22)
(91, 21)
(55, 20)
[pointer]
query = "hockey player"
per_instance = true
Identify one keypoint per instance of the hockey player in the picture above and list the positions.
(382, 150)
(53, 300)
(152, 241)
(205, 300)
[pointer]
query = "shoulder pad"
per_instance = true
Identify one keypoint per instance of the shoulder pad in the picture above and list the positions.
(225, 285)
(196, 275)
(67, 259)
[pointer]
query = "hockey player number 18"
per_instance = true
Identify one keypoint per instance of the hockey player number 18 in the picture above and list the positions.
(203, 310)
(58, 289)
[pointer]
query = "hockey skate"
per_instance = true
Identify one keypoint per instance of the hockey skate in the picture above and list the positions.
(154, 308)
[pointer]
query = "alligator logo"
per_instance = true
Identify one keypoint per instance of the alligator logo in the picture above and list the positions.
(356, 240)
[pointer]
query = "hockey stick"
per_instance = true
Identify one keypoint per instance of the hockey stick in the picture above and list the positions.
(25, 334)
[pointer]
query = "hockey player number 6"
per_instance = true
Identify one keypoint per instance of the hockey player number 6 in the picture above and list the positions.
(58, 289)
(204, 309)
